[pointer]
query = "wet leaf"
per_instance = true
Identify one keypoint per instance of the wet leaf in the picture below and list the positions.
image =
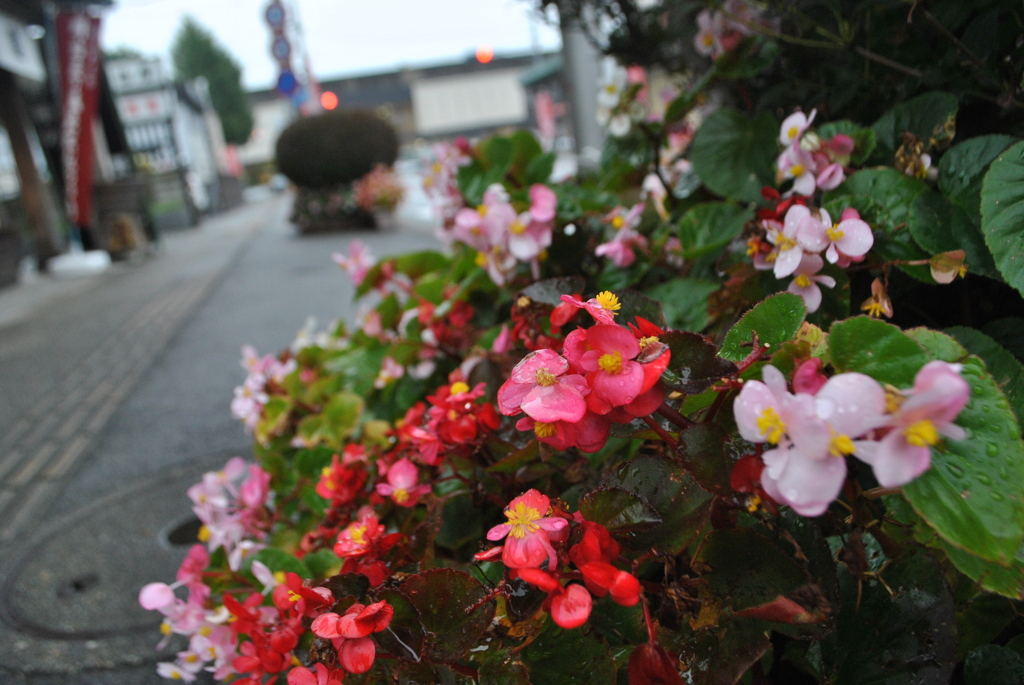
(695, 365)
(564, 657)
(735, 155)
(908, 637)
(550, 290)
(720, 656)
(618, 510)
(990, 664)
(877, 349)
(681, 503)
(775, 319)
(442, 597)
(710, 226)
(746, 569)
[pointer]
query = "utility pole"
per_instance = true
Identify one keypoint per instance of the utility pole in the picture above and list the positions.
(33, 192)
(582, 69)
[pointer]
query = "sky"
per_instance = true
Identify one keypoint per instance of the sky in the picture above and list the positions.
(342, 36)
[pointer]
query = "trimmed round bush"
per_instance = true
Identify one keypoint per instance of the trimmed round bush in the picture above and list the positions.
(335, 148)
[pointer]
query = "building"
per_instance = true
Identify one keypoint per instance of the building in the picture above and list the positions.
(468, 98)
(175, 135)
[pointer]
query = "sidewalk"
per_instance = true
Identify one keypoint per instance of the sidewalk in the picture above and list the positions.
(116, 395)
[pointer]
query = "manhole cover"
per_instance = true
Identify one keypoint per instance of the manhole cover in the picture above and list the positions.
(82, 581)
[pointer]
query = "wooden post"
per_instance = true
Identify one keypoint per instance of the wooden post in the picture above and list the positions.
(33, 192)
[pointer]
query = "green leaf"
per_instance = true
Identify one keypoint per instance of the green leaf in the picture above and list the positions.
(875, 348)
(684, 302)
(973, 496)
(568, 657)
(634, 304)
(404, 637)
(462, 524)
(745, 569)
(1002, 214)
(275, 416)
(734, 155)
(939, 226)
(775, 319)
(864, 139)
(1006, 370)
(310, 462)
(721, 656)
(710, 226)
(907, 637)
(550, 290)
(499, 153)
(341, 416)
(322, 563)
(442, 597)
(990, 664)
(412, 264)
(540, 168)
(753, 55)
(1007, 332)
(618, 510)
(278, 560)
(679, 501)
(709, 453)
(695, 365)
(884, 197)
(1004, 580)
(962, 169)
(920, 116)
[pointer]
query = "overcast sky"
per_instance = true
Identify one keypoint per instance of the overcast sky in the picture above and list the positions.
(342, 36)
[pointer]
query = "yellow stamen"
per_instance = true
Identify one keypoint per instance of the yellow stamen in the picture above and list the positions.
(609, 301)
(326, 472)
(753, 246)
(772, 425)
(459, 387)
(841, 446)
(784, 242)
(611, 363)
(873, 308)
(400, 495)
(481, 259)
(708, 40)
(192, 658)
(834, 233)
(796, 170)
(204, 534)
(921, 433)
(802, 280)
(279, 577)
(792, 132)
(452, 414)
(618, 222)
(436, 167)
(358, 535)
(544, 430)
(523, 302)
(893, 399)
(165, 628)
(481, 210)
(545, 378)
(644, 342)
(205, 631)
(522, 520)
(753, 502)
(517, 228)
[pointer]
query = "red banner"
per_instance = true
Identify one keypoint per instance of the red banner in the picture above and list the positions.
(78, 38)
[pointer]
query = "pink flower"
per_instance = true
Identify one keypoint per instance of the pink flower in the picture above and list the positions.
(485, 227)
(620, 248)
(357, 264)
(403, 484)
(542, 203)
(831, 176)
(614, 378)
(571, 609)
(801, 231)
(527, 237)
(851, 237)
(805, 282)
(349, 633)
(602, 308)
(527, 544)
(504, 341)
(924, 414)
(540, 387)
(303, 676)
(797, 164)
(390, 371)
(253, 492)
(794, 125)
(589, 434)
(358, 537)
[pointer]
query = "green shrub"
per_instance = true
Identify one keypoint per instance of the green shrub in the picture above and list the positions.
(335, 148)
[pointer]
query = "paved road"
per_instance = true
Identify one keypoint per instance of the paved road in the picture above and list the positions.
(114, 396)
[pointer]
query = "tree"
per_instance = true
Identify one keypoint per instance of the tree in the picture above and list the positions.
(196, 53)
